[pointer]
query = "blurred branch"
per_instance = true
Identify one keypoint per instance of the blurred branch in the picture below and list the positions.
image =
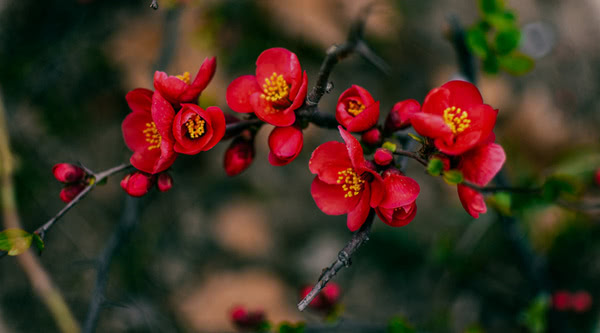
(154, 4)
(412, 155)
(466, 62)
(343, 260)
(170, 37)
(37, 275)
(233, 129)
(120, 235)
(494, 189)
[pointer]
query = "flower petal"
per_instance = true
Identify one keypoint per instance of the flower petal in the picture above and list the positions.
(399, 191)
(437, 101)
(171, 87)
(463, 94)
(358, 215)
(217, 122)
(366, 119)
(203, 78)
(430, 125)
(133, 127)
(239, 92)
(471, 200)
(328, 159)
(481, 164)
(286, 142)
(330, 198)
(162, 115)
(278, 60)
(265, 111)
(139, 100)
(355, 151)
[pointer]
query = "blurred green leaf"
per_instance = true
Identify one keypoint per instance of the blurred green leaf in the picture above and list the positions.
(534, 317)
(490, 64)
(291, 328)
(435, 167)
(453, 177)
(501, 21)
(501, 201)
(38, 242)
(564, 186)
(15, 241)
(516, 63)
(491, 6)
(389, 146)
(507, 40)
(477, 42)
(415, 137)
(399, 325)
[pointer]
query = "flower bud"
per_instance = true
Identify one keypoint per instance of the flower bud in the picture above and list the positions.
(372, 136)
(247, 320)
(70, 191)
(285, 144)
(383, 156)
(165, 182)
(326, 299)
(136, 184)
(581, 301)
(561, 300)
(68, 173)
(399, 117)
(238, 156)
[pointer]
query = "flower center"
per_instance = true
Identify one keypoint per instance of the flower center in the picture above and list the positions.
(275, 90)
(195, 127)
(152, 136)
(456, 119)
(355, 107)
(351, 182)
(185, 77)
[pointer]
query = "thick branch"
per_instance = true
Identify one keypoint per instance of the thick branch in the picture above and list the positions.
(313, 115)
(334, 54)
(343, 260)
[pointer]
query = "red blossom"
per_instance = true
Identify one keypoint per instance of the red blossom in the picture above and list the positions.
(70, 191)
(179, 89)
(398, 206)
(68, 173)
(137, 184)
(326, 299)
(285, 144)
(581, 301)
(345, 183)
(455, 117)
(561, 300)
(356, 110)
(597, 177)
(247, 320)
(196, 129)
(277, 89)
(164, 182)
(372, 137)
(383, 157)
(150, 140)
(399, 117)
(239, 155)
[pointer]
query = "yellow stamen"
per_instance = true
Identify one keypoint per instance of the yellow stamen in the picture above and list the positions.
(456, 119)
(355, 107)
(152, 136)
(275, 89)
(185, 77)
(195, 127)
(351, 182)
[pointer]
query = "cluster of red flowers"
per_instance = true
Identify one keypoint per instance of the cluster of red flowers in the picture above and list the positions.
(580, 301)
(73, 177)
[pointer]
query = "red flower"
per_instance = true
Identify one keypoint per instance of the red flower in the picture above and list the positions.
(581, 301)
(178, 89)
(561, 300)
(383, 156)
(285, 144)
(356, 110)
(479, 166)
(150, 141)
(68, 173)
(398, 206)
(247, 320)
(137, 184)
(455, 117)
(345, 183)
(372, 137)
(399, 117)
(238, 156)
(278, 88)
(164, 182)
(326, 299)
(70, 191)
(597, 177)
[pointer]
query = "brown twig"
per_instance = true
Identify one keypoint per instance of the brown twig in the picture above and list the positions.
(412, 155)
(343, 260)
(154, 4)
(494, 189)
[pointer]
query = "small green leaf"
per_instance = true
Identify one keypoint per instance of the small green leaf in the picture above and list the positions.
(516, 63)
(389, 146)
(491, 6)
(507, 40)
(534, 317)
(38, 242)
(453, 177)
(477, 42)
(399, 325)
(286, 327)
(15, 241)
(502, 21)
(557, 186)
(435, 167)
(501, 201)
(490, 64)
(416, 138)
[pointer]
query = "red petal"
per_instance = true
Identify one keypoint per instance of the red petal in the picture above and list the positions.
(471, 200)
(217, 122)
(354, 149)
(481, 164)
(183, 143)
(300, 95)
(330, 198)
(171, 87)
(358, 215)
(239, 92)
(166, 159)
(133, 127)
(264, 111)
(285, 142)
(328, 159)
(377, 188)
(437, 101)
(162, 115)
(366, 119)
(277, 60)
(203, 78)
(430, 125)
(399, 191)
(483, 119)
(139, 100)
(145, 160)
(463, 94)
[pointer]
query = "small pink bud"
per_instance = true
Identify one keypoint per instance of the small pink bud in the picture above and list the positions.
(581, 301)
(383, 156)
(399, 117)
(561, 300)
(165, 182)
(136, 184)
(331, 292)
(247, 320)
(68, 173)
(372, 137)
(238, 156)
(70, 191)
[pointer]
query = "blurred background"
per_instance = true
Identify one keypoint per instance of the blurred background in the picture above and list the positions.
(214, 242)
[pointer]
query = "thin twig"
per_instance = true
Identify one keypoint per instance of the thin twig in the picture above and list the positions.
(494, 189)
(466, 60)
(154, 4)
(235, 128)
(412, 155)
(313, 115)
(343, 260)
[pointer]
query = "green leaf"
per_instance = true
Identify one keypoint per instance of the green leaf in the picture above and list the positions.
(435, 167)
(286, 327)
(534, 317)
(502, 21)
(477, 42)
(15, 241)
(516, 63)
(501, 201)
(491, 6)
(416, 138)
(38, 242)
(557, 186)
(507, 40)
(399, 325)
(490, 64)
(453, 177)
(389, 146)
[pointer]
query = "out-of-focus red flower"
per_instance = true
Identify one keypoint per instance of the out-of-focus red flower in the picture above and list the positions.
(383, 157)
(345, 183)
(137, 184)
(356, 109)
(597, 177)
(164, 182)
(455, 117)
(180, 88)
(561, 300)
(399, 117)
(285, 144)
(70, 191)
(398, 206)
(247, 320)
(479, 166)
(151, 141)
(239, 155)
(372, 137)
(326, 299)
(581, 301)
(277, 89)
(68, 173)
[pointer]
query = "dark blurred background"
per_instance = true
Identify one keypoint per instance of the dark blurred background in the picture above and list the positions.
(213, 242)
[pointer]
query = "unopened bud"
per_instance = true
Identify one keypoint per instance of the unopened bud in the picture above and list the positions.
(372, 136)
(238, 156)
(399, 117)
(136, 184)
(68, 173)
(164, 182)
(383, 156)
(70, 191)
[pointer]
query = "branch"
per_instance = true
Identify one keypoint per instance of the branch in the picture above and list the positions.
(412, 155)
(234, 129)
(343, 260)
(466, 61)
(494, 189)
(313, 115)
(154, 4)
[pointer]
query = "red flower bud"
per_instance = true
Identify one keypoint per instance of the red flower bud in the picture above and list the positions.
(165, 182)
(597, 178)
(136, 184)
(69, 192)
(238, 156)
(581, 301)
(326, 299)
(561, 300)
(247, 320)
(285, 144)
(372, 136)
(399, 117)
(383, 156)
(68, 173)
(356, 109)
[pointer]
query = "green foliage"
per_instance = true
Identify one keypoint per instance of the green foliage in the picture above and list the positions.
(389, 146)
(477, 42)
(490, 6)
(516, 63)
(435, 167)
(17, 241)
(501, 202)
(507, 40)
(291, 328)
(534, 317)
(453, 177)
(399, 325)
(560, 186)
